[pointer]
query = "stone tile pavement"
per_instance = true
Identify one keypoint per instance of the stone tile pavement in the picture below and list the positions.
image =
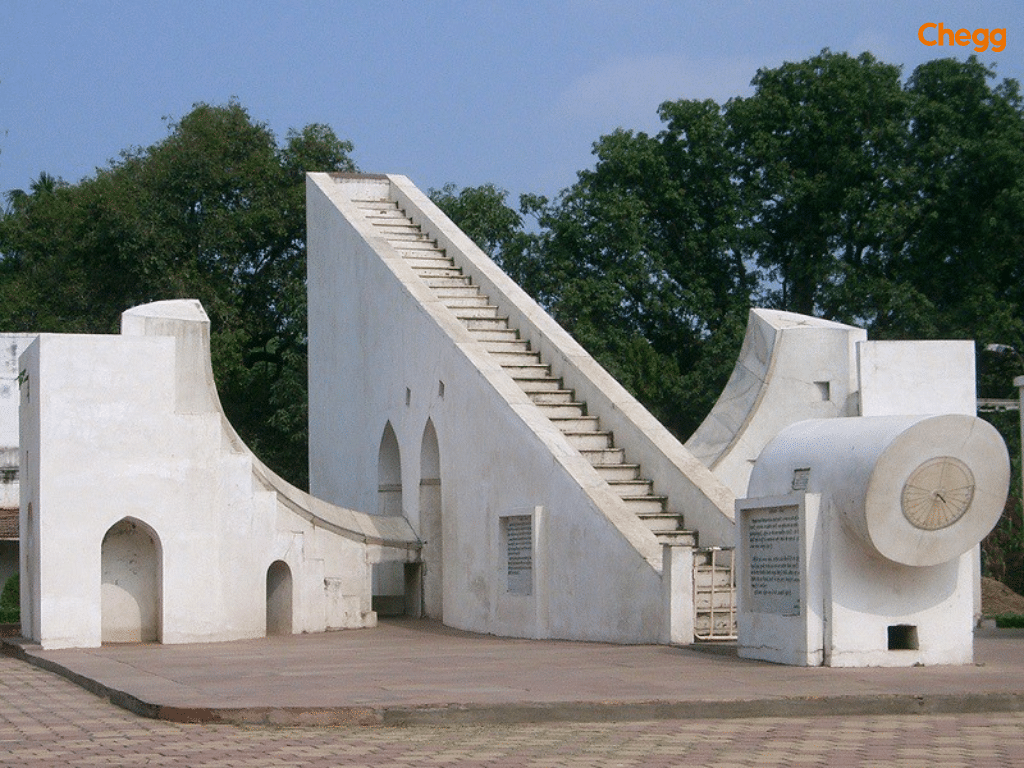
(407, 672)
(47, 721)
(508, 703)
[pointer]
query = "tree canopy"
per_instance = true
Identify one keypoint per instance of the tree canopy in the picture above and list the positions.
(840, 188)
(836, 189)
(216, 212)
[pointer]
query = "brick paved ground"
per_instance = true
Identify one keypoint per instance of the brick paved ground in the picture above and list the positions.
(48, 721)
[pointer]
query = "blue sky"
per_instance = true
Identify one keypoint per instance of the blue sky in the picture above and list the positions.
(512, 92)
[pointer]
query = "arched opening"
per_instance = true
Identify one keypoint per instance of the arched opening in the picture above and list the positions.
(389, 474)
(130, 589)
(389, 577)
(431, 528)
(279, 599)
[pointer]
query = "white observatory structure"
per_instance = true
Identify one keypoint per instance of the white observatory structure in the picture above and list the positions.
(858, 540)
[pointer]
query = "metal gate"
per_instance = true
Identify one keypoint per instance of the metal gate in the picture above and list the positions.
(714, 593)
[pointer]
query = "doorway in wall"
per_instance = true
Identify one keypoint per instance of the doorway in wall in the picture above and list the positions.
(279, 599)
(130, 589)
(431, 527)
(389, 578)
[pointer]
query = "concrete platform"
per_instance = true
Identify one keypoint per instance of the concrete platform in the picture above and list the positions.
(420, 672)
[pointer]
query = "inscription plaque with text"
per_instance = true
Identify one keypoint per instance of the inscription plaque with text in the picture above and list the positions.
(773, 547)
(519, 538)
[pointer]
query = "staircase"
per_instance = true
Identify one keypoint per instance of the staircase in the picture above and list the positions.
(714, 594)
(474, 309)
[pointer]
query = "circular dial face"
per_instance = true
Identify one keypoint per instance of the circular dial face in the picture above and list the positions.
(937, 493)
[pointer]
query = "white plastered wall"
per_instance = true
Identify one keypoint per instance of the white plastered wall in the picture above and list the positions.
(129, 427)
(381, 347)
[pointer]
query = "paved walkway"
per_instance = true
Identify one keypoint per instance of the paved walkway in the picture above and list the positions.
(420, 672)
(46, 721)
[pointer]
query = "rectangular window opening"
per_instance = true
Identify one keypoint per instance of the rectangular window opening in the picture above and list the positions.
(903, 637)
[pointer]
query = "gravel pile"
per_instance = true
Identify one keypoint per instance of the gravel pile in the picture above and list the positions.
(997, 598)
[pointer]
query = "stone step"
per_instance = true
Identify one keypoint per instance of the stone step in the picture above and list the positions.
(604, 456)
(480, 317)
(646, 505)
(679, 538)
(539, 384)
(558, 397)
(589, 441)
(455, 302)
(512, 344)
(419, 259)
(441, 271)
(378, 205)
(632, 487)
(459, 292)
(562, 410)
(527, 370)
(662, 522)
(611, 472)
(397, 223)
(494, 334)
(413, 246)
(379, 214)
(578, 424)
(515, 358)
(403, 233)
(445, 282)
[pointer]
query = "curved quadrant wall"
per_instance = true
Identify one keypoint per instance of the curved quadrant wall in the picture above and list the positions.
(125, 446)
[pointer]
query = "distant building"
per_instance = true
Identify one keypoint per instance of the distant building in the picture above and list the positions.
(11, 347)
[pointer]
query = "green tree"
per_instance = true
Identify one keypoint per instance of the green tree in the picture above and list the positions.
(216, 212)
(640, 260)
(819, 147)
(498, 229)
(482, 213)
(964, 245)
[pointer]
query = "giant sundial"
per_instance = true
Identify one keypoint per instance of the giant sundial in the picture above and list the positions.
(938, 493)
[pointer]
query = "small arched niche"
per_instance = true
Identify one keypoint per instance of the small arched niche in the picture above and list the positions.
(389, 578)
(279, 599)
(389, 474)
(130, 589)
(431, 526)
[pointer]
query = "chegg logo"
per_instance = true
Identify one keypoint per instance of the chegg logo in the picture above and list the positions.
(935, 34)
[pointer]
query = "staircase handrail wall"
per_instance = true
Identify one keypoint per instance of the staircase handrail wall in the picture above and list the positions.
(691, 488)
(590, 483)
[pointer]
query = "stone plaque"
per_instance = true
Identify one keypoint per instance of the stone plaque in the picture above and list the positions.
(800, 478)
(519, 542)
(773, 547)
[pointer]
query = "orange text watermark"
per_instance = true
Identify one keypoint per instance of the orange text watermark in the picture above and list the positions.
(936, 34)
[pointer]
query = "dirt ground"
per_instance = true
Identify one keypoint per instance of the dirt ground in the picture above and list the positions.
(998, 598)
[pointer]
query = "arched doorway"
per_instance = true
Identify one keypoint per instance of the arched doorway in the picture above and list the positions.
(130, 588)
(389, 474)
(279, 599)
(431, 528)
(389, 577)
